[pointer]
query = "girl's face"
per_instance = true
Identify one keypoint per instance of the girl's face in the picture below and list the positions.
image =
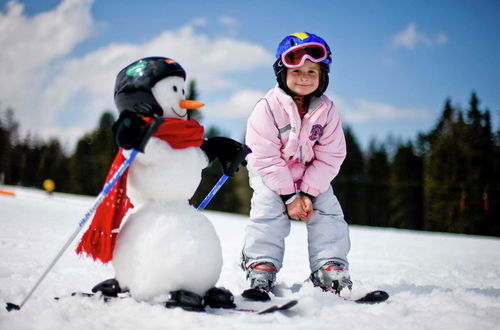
(303, 80)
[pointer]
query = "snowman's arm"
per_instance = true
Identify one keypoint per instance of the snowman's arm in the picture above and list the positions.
(230, 153)
(131, 131)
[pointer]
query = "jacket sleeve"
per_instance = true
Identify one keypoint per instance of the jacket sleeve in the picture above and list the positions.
(263, 138)
(329, 153)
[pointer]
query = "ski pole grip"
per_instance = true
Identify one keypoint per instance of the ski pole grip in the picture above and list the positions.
(238, 160)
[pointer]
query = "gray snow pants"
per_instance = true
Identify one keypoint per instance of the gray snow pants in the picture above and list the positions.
(327, 231)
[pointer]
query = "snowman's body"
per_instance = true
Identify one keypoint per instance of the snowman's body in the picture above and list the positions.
(165, 244)
(165, 247)
(165, 174)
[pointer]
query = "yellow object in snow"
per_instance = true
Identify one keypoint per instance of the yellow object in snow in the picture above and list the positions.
(49, 185)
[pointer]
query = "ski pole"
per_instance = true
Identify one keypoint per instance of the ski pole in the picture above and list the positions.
(104, 192)
(212, 192)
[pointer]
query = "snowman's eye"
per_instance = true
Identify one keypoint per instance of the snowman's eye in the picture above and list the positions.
(183, 92)
(175, 89)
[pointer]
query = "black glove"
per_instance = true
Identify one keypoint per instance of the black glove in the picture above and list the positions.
(229, 152)
(132, 131)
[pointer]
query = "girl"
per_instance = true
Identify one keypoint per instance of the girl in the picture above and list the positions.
(298, 145)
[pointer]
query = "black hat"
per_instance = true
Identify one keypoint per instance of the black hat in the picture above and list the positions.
(134, 82)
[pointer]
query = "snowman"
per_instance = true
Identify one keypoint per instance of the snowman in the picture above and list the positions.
(164, 250)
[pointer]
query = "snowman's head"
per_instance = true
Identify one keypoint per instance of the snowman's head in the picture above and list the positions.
(169, 93)
(153, 86)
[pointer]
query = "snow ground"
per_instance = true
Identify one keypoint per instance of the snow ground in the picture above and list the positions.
(436, 281)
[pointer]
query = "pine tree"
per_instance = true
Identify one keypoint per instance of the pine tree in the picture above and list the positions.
(29, 150)
(5, 146)
(15, 165)
(460, 173)
(491, 204)
(192, 94)
(377, 199)
(242, 190)
(8, 139)
(445, 172)
(348, 184)
(480, 179)
(105, 148)
(53, 165)
(92, 158)
(83, 168)
(406, 179)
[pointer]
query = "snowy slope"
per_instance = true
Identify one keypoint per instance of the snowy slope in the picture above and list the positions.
(436, 281)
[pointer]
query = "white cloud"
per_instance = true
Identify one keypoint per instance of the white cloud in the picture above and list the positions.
(95, 73)
(411, 38)
(361, 110)
(228, 24)
(30, 45)
(44, 37)
(238, 105)
(43, 85)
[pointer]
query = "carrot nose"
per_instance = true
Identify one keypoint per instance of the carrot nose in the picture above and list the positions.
(190, 104)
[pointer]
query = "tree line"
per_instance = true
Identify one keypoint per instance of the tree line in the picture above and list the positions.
(446, 179)
(29, 161)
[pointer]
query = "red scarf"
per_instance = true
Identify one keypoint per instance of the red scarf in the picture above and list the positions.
(99, 240)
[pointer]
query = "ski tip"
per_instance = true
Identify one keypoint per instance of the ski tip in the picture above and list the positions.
(373, 297)
(275, 308)
(288, 305)
(12, 307)
(268, 310)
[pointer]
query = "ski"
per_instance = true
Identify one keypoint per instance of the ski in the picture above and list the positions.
(282, 307)
(370, 297)
(90, 295)
(270, 309)
(267, 310)
(373, 297)
(257, 295)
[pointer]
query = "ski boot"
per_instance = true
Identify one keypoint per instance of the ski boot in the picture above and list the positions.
(333, 276)
(262, 276)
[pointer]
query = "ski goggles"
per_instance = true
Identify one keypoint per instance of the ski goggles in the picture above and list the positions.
(296, 56)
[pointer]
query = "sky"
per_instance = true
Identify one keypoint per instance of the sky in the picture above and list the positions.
(394, 62)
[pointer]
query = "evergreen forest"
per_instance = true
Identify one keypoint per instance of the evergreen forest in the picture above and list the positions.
(447, 179)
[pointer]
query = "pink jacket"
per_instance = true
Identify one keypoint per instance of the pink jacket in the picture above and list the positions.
(291, 154)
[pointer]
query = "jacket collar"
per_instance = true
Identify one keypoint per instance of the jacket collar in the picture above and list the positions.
(287, 101)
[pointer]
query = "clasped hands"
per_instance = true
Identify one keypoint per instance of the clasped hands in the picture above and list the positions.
(301, 208)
